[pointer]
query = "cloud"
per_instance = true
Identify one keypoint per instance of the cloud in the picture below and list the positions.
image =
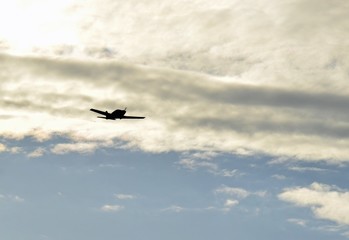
(229, 203)
(203, 160)
(74, 147)
(111, 208)
(199, 113)
(13, 150)
(305, 169)
(225, 38)
(279, 177)
(2, 147)
(233, 196)
(17, 199)
(325, 201)
(11, 198)
(237, 192)
(212, 81)
(37, 153)
(195, 164)
(174, 208)
(124, 196)
(346, 234)
(300, 222)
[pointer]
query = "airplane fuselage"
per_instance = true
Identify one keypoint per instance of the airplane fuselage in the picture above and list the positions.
(117, 114)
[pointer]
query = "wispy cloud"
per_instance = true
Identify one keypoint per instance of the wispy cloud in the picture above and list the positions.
(82, 146)
(233, 196)
(124, 196)
(173, 208)
(229, 203)
(204, 160)
(194, 164)
(74, 147)
(12, 198)
(279, 177)
(2, 147)
(300, 222)
(14, 150)
(39, 152)
(307, 169)
(238, 192)
(111, 208)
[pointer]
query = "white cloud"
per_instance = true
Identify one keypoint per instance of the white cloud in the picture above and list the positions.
(231, 191)
(194, 164)
(279, 177)
(229, 173)
(226, 38)
(326, 202)
(306, 169)
(13, 150)
(203, 160)
(174, 208)
(124, 196)
(63, 148)
(229, 203)
(233, 196)
(11, 198)
(112, 208)
(108, 165)
(37, 153)
(300, 222)
(2, 147)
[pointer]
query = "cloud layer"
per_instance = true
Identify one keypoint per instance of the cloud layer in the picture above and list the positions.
(243, 77)
(185, 111)
(256, 40)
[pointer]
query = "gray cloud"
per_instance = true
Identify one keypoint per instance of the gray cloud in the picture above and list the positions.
(185, 111)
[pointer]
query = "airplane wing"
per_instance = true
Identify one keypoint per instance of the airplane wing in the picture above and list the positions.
(98, 111)
(132, 117)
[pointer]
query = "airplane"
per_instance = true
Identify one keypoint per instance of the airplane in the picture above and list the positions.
(117, 114)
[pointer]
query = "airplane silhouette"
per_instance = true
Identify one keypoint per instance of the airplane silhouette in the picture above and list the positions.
(117, 114)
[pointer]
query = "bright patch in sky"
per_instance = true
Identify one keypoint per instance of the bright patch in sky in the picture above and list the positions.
(246, 132)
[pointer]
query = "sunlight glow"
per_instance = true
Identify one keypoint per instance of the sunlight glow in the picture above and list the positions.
(24, 25)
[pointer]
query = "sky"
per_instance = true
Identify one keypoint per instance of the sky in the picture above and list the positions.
(246, 129)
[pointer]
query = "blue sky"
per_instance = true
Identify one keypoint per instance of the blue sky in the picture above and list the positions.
(246, 129)
(129, 194)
